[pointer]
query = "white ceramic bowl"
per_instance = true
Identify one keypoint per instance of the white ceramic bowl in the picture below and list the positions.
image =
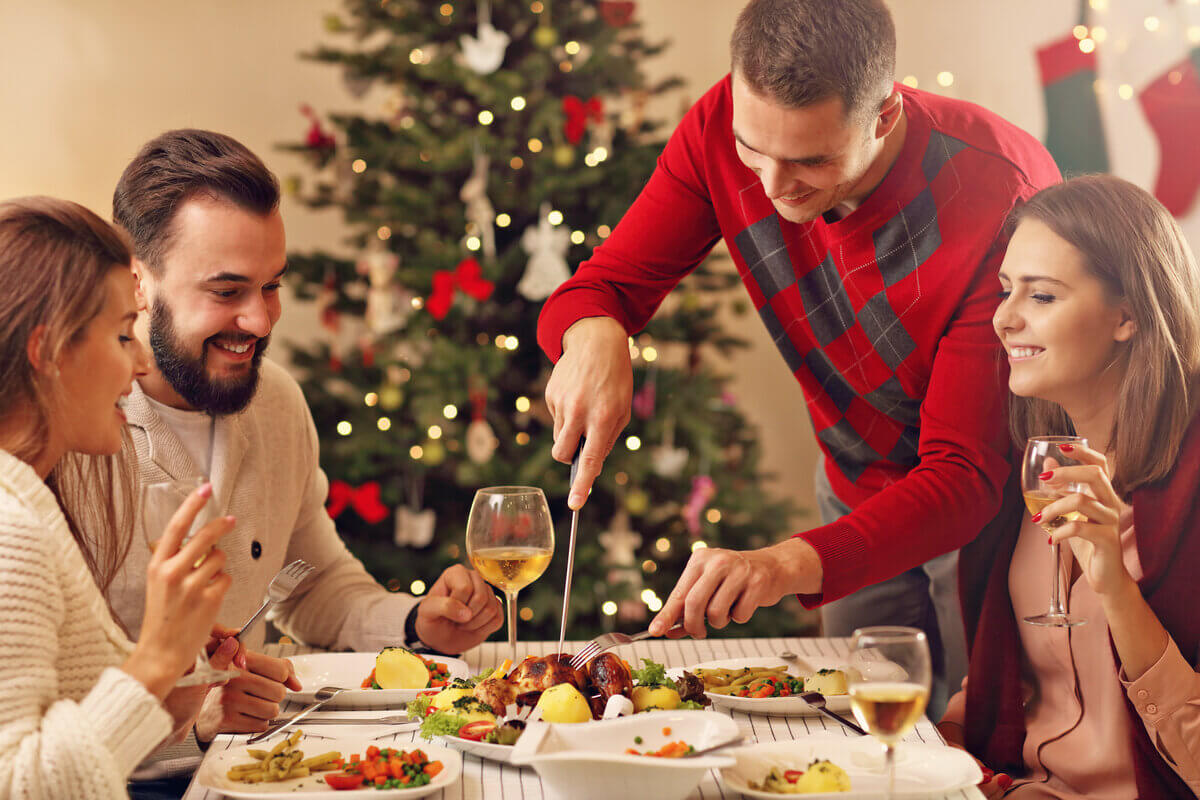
(589, 762)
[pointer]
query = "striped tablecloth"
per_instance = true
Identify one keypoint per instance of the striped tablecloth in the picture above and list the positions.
(485, 780)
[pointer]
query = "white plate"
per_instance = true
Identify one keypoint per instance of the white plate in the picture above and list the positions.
(500, 753)
(922, 770)
(772, 706)
(211, 774)
(348, 670)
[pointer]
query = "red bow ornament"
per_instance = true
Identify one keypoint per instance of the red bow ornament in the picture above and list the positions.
(467, 276)
(364, 500)
(617, 13)
(579, 114)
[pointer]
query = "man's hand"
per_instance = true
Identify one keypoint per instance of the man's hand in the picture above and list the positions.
(246, 704)
(721, 585)
(590, 393)
(459, 612)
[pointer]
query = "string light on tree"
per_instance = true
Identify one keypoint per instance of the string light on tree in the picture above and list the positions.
(555, 217)
(503, 220)
(517, 103)
(522, 404)
(416, 452)
(435, 431)
(450, 411)
(384, 423)
(359, 165)
(486, 117)
(345, 428)
(910, 81)
(370, 399)
(577, 237)
(609, 608)
(1152, 23)
(417, 587)
(633, 442)
(698, 545)
(945, 79)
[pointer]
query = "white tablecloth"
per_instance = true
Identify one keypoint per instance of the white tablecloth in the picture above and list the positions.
(485, 780)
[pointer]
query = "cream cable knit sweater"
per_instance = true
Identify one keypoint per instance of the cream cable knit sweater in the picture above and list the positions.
(72, 724)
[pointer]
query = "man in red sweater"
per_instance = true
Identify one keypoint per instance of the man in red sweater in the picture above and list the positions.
(867, 222)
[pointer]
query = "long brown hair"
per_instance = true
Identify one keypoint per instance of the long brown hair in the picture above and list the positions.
(1133, 245)
(54, 259)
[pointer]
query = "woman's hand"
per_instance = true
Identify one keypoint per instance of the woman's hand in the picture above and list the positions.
(1095, 541)
(184, 703)
(185, 585)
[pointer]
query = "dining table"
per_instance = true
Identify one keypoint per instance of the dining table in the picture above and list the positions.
(488, 780)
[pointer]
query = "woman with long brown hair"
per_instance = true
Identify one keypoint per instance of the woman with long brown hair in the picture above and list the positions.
(82, 704)
(1100, 320)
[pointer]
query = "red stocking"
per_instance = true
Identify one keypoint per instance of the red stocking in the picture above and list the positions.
(1172, 107)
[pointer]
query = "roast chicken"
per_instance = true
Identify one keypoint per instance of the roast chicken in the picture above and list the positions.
(606, 675)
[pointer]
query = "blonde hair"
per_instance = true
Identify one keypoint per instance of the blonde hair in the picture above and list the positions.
(54, 259)
(1133, 245)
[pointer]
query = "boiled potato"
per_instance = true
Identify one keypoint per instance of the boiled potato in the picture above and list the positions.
(827, 682)
(821, 777)
(446, 697)
(564, 703)
(663, 697)
(400, 668)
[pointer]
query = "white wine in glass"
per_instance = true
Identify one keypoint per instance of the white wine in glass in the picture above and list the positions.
(889, 675)
(1043, 453)
(510, 541)
(159, 502)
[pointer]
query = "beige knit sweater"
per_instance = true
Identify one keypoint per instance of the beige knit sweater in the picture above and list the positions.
(72, 724)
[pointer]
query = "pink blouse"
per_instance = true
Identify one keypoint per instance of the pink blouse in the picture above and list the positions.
(1077, 743)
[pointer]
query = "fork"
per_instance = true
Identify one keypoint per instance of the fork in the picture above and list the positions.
(279, 589)
(606, 641)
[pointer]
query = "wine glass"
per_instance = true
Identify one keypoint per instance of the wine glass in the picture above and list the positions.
(889, 675)
(1043, 453)
(160, 501)
(510, 540)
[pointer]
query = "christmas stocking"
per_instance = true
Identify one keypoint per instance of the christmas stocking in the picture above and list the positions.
(1074, 131)
(1172, 107)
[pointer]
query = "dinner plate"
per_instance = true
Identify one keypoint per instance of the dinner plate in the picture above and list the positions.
(348, 670)
(772, 706)
(500, 753)
(211, 774)
(922, 770)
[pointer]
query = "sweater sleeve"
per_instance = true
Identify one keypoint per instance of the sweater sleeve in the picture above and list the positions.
(668, 230)
(51, 747)
(342, 608)
(958, 483)
(1167, 698)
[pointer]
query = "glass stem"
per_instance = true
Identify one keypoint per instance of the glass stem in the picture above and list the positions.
(511, 605)
(890, 757)
(1056, 608)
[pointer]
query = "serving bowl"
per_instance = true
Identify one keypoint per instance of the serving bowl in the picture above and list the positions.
(589, 761)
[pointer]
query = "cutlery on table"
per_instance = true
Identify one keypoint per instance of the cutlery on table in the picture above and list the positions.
(562, 629)
(606, 641)
(279, 589)
(817, 701)
(322, 695)
(714, 748)
(798, 662)
(394, 719)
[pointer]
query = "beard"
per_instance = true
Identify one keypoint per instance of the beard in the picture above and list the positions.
(188, 375)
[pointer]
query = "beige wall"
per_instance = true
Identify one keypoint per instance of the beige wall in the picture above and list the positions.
(84, 82)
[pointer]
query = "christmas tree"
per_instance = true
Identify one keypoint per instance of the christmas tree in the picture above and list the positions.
(512, 139)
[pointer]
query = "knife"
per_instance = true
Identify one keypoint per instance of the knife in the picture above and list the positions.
(395, 719)
(562, 630)
(321, 697)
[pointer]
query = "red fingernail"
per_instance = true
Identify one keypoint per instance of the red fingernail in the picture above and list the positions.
(1066, 448)
(1003, 781)
(1037, 517)
(1049, 540)
(1045, 476)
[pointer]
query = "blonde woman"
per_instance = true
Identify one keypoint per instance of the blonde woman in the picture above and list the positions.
(1100, 320)
(82, 704)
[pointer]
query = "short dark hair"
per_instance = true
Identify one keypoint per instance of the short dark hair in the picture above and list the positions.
(177, 166)
(800, 52)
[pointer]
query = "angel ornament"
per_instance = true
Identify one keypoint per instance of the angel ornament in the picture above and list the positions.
(484, 52)
(387, 306)
(480, 212)
(547, 246)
